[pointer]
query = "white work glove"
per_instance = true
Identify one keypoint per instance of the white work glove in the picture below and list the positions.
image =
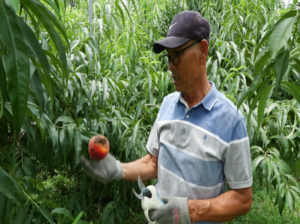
(105, 170)
(175, 211)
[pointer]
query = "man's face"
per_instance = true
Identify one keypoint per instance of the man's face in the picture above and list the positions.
(186, 73)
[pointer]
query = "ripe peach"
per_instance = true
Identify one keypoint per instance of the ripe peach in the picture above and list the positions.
(98, 147)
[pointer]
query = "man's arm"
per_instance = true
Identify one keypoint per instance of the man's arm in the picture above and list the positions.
(227, 206)
(110, 169)
(145, 167)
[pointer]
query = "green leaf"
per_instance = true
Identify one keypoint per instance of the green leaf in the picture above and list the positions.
(125, 7)
(219, 57)
(36, 86)
(64, 144)
(292, 88)
(281, 205)
(64, 212)
(281, 190)
(54, 7)
(275, 170)
(105, 94)
(295, 193)
(2, 102)
(5, 209)
(33, 44)
(34, 112)
(64, 119)
(29, 217)
(21, 214)
(3, 90)
(120, 12)
(296, 189)
(78, 145)
(108, 213)
(56, 62)
(29, 167)
(257, 97)
(16, 63)
(281, 66)
(74, 44)
(254, 85)
(262, 59)
(150, 87)
(71, 128)
(77, 218)
(290, 200)
(262, 104)
(262, 41)
(256, 162)
(290, 177)
(9, 187)
(135, 133)
(281, 33)
(46, 214)
(289, 14)
(48, 20)
(269, 170)
(15, 4)
(52, 131)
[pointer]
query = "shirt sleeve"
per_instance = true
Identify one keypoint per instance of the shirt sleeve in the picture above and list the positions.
(153, 140)
(237, 159)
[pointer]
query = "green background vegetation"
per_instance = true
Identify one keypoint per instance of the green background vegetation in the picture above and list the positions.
(63, 80)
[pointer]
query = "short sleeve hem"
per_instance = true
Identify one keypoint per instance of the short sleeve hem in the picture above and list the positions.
(239, 185)
(153, 151)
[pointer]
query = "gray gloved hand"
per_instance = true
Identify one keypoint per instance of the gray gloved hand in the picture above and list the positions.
(104, 170)
(174, 212)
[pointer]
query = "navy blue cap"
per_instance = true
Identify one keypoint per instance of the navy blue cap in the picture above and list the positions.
(187, 25)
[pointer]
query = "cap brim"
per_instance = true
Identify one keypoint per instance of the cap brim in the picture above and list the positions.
(169, 42)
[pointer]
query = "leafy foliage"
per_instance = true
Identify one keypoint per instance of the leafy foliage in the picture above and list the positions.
(109, 65)
(63, 80)
(252, 63)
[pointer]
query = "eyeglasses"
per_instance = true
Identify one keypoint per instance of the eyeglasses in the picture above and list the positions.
(174, 56)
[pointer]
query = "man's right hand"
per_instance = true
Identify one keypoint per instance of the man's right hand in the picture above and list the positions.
(104, 170)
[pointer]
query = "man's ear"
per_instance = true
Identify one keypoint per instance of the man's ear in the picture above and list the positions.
(204, 48)
(203, 51)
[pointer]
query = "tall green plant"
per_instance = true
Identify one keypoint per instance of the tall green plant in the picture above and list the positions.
(96, 86)
(254, 61)
(22, 55)
(25, 74)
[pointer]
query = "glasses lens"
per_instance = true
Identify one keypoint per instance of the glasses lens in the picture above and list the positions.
(174, 58)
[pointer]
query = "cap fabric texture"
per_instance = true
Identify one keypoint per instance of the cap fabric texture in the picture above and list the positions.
(185, 26)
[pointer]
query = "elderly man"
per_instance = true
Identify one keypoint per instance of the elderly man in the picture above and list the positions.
(198, 142)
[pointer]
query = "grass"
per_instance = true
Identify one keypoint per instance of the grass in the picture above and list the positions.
(136, 217)
(263, 211)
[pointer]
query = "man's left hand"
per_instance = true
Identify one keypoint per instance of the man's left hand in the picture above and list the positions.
(175, 211)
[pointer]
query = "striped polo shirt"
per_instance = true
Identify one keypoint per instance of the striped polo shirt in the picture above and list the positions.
(199, 149)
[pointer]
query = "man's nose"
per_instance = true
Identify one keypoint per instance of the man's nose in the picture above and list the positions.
(171, 65)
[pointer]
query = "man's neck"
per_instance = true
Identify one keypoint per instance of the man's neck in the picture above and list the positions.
(194, 97)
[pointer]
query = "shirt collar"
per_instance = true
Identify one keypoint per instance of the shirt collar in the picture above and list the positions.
(209, 100)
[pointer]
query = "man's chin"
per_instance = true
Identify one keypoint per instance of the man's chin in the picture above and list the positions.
(178, 89)
(176, 85)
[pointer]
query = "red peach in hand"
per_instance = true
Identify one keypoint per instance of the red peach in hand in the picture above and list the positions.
(98, 147)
